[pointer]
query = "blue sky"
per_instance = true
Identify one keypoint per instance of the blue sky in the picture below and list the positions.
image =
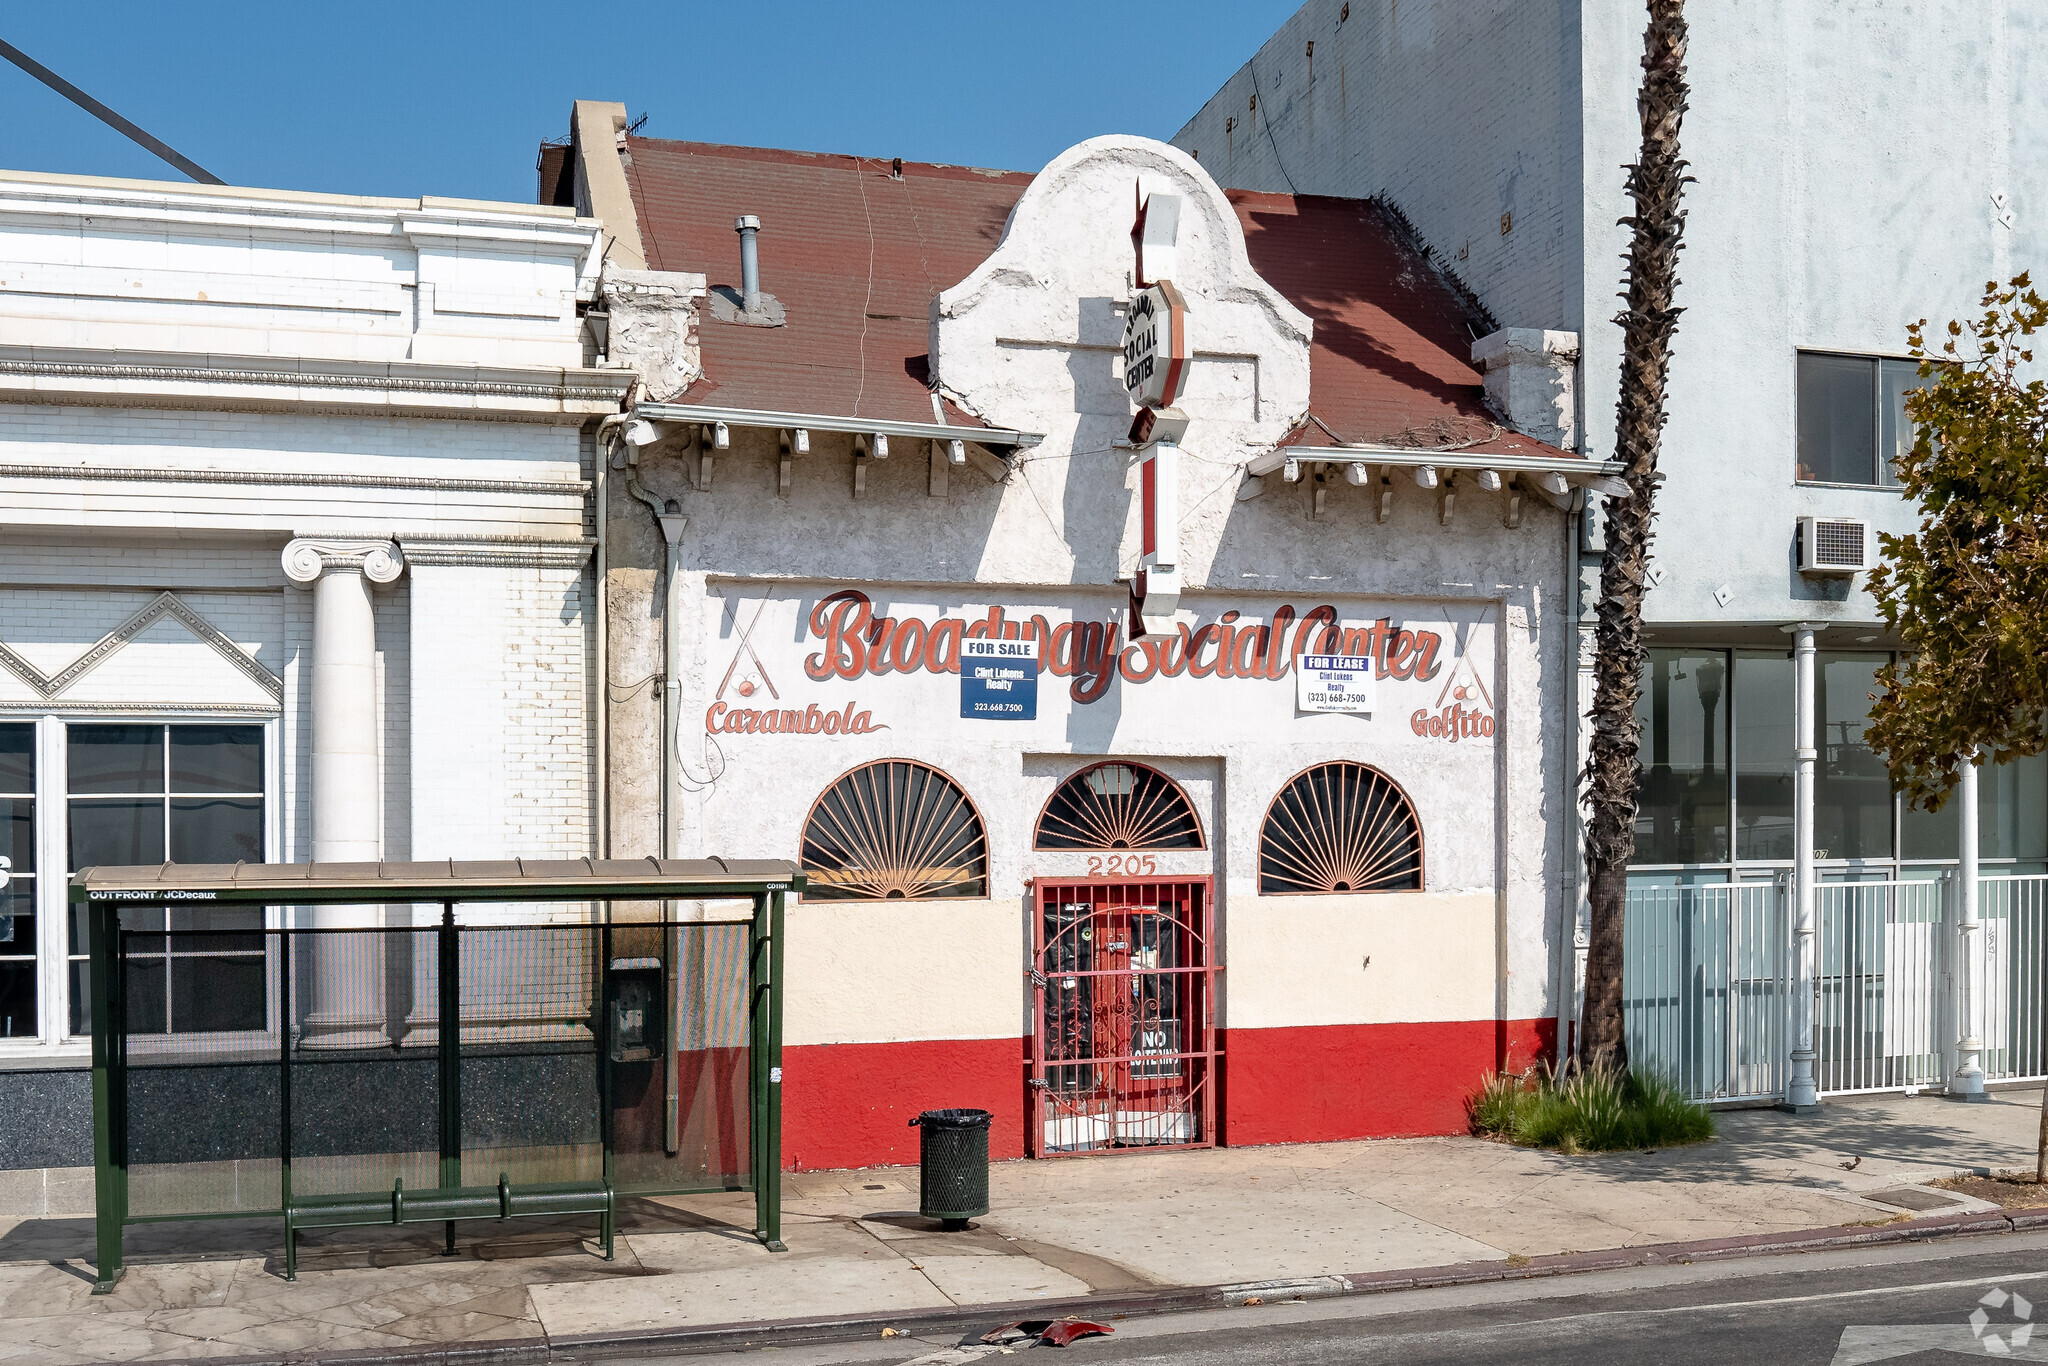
(436, 97)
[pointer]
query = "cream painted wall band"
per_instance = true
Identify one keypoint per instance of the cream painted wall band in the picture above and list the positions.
(564, 488)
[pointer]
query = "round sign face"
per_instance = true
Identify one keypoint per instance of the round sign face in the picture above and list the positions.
(1155, 346)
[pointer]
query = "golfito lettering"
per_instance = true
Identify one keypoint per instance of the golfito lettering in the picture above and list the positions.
(1454, 723)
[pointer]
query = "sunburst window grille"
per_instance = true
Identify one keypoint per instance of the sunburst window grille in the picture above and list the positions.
(1340, 827)
(1118, 806)
(894, 831)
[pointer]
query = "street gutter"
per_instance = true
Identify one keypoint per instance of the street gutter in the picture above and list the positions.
(738, 1337)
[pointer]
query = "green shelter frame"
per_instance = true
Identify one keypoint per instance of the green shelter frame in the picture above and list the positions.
(130, 912)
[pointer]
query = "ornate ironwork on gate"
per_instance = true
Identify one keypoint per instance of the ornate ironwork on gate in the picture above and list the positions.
(1125, 1049)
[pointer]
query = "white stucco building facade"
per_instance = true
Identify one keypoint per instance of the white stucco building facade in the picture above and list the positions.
(921, 440)
(294, 564)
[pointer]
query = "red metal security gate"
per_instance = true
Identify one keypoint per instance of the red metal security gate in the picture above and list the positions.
(1124, 1054)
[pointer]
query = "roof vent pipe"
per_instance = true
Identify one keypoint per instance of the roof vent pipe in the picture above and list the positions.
(748, 227)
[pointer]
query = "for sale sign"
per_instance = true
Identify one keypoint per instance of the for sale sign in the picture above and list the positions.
(1334, 683)
(999, 680)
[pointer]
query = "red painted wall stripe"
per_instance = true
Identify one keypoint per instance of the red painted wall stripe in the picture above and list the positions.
(850, 1105)
(1321, 1083)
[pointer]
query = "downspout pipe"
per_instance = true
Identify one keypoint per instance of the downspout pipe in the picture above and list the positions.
(668, 516)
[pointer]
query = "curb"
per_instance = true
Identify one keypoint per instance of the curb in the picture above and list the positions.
(717, 1337)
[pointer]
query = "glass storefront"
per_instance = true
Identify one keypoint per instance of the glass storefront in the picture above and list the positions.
(1706, 712)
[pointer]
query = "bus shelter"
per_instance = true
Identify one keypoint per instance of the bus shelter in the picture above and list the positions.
(389, 1043)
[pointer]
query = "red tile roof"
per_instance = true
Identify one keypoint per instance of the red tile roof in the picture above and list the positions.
(855, 255)
(1390, 356)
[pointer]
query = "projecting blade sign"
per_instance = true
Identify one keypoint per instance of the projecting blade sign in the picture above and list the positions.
(1155, 360)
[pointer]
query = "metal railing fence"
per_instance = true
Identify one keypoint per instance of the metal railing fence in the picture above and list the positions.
(2014, 915)
(1705, 983)
(1879, 960)
(1708, 984)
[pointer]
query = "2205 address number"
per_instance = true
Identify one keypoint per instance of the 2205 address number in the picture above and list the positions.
(1130, 865)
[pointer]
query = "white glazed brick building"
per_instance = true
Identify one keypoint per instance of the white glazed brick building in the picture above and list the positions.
(295, 563)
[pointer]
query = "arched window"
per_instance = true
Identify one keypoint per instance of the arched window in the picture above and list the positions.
(1118, 806)
(1340, 827)
(894, 830)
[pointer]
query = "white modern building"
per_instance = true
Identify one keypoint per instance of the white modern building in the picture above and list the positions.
(1858, 165)
(294, 564)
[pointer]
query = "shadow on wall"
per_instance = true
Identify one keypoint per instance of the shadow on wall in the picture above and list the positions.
(1409, 304)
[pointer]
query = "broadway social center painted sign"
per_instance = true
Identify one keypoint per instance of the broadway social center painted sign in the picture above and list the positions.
(845, 663)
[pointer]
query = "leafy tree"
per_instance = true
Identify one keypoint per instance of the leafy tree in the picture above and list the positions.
(1968, 591)
(1656, 182)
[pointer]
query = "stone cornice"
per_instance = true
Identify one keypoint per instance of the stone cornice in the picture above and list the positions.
(559, 488)
(254, 709)
(498, 552)
(38, 374)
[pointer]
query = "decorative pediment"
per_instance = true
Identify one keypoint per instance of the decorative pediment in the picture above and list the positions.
(168, 614)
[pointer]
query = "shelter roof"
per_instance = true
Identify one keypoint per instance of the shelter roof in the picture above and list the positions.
(440, 880)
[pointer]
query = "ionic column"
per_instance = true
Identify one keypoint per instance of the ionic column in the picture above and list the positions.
(1802, 1090)
(346, 1008)
(1968, 1081)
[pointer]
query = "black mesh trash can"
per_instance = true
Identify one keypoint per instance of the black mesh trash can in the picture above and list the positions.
(952, 1160)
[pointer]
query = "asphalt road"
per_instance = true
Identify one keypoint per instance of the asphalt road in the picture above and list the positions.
(1904, 1304)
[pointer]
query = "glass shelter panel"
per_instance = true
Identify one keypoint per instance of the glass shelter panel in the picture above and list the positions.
(205, 1109)
(529, 1024)
(365, 1061)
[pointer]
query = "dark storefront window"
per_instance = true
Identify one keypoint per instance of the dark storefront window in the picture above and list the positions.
(1698, 706)
(193, 794)
(18, 992)
(1682, 816)
(1852, 790)
(1765, 694)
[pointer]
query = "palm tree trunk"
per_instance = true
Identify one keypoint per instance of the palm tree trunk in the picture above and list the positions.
(1655, 182)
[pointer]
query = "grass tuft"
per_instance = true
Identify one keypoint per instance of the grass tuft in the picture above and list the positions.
(1588, 1112)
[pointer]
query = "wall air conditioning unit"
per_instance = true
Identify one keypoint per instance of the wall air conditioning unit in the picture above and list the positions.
(1834, 545)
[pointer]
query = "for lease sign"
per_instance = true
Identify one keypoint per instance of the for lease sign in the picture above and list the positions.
(1334, 683)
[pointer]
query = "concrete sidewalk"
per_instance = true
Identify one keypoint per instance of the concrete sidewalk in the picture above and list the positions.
(1060, 1229)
